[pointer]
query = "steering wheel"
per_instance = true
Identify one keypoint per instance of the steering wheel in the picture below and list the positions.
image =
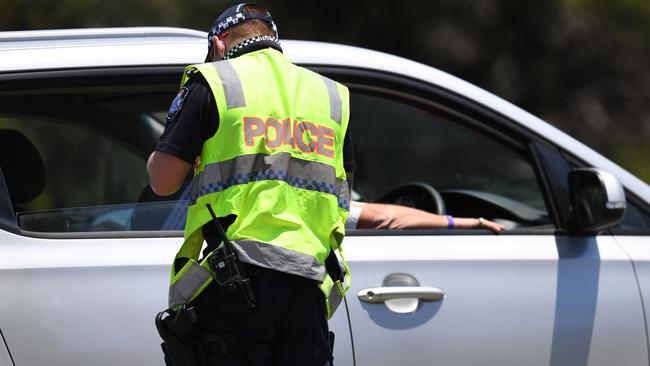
(418, 195)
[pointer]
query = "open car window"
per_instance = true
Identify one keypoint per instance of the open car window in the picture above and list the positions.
(403, 152)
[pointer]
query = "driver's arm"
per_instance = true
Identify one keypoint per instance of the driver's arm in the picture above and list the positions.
(387, 216)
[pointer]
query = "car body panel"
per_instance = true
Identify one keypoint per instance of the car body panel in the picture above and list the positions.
(554, 299)
(90, 301)
(5, 358)
(100, 295)
(91, 48)
(638, 248)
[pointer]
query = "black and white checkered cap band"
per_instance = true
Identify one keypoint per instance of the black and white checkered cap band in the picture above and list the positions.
(236, 18)
(229, 22)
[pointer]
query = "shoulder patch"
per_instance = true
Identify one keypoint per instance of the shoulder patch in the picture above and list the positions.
(177, 103)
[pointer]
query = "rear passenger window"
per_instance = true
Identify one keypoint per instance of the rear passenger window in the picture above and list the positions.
(80, 167)
(74, 160)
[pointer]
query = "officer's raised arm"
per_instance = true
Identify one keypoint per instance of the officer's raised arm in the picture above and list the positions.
(166, 172)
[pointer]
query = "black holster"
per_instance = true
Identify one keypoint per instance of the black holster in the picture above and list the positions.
(178, 332)
(185, 345)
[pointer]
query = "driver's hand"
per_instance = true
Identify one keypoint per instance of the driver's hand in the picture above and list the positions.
(487, 224)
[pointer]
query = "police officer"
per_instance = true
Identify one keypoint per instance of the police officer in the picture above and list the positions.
(268, 146)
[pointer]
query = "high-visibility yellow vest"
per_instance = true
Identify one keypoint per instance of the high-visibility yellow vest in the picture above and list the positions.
(276, 162)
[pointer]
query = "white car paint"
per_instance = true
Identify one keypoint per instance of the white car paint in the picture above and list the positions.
(91, 301)
(509, 299)
(5, 358)
(518, 301)
(637, 248)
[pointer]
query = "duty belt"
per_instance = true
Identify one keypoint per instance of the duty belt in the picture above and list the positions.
(195, 276)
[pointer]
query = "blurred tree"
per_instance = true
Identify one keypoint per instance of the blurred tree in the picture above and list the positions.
(579, 64)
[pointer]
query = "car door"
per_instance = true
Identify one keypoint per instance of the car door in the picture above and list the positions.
(85, 250)
(5, 358)
(77, 287)
(633, 236)
(533, 295)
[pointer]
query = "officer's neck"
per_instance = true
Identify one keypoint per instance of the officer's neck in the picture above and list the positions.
(253, 44)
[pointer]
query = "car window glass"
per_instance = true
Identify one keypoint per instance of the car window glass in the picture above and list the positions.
(91, 146)
(82, 167)
(634, 218)
(95, 176)
(397, 144)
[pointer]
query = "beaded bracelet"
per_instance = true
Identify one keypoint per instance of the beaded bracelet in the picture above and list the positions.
(450, 222)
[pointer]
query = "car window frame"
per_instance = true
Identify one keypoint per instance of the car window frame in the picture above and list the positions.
(7, 215)
(80, 78)
(473, 115)
(548, 157)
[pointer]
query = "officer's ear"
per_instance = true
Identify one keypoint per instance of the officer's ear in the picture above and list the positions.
(218, 49)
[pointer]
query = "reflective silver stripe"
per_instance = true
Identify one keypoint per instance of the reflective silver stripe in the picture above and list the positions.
(335, 298)
(280, 259)
(296, 172)
(181, 291)
(343, 193)
(232, 87)
(336, 107)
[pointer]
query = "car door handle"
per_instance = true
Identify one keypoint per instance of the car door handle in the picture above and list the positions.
(376, 295)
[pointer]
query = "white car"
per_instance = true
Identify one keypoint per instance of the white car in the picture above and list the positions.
(85, 254)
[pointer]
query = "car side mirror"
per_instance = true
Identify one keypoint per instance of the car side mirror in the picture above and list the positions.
(597, 200)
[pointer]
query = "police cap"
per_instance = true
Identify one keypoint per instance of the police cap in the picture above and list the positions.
(237, 14)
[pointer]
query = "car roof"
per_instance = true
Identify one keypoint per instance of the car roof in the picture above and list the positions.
(102, 47)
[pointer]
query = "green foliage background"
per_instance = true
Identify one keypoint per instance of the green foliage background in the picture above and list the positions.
(580, 64)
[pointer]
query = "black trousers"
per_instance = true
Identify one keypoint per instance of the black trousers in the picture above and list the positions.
(288, 325)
